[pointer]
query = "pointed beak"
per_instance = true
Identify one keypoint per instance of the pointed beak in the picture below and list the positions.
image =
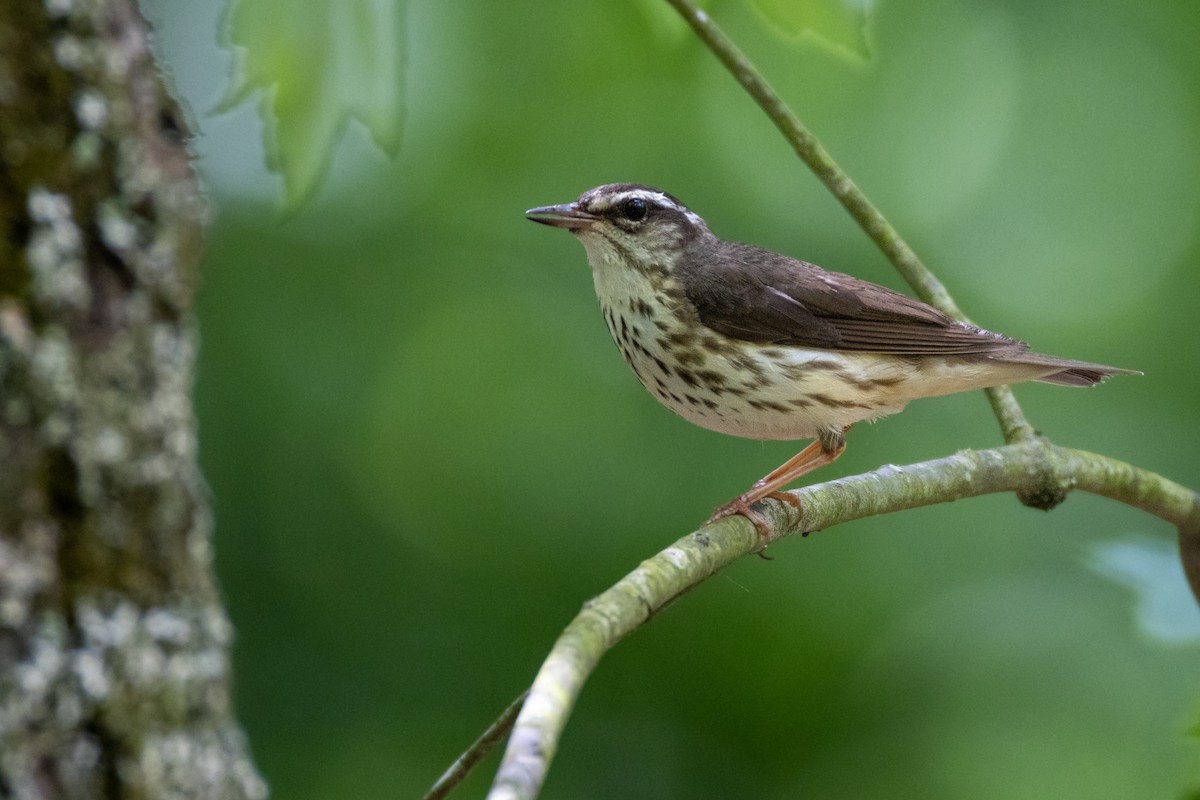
(567, 215)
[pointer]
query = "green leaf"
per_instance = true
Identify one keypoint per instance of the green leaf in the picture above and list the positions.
(318, 64)
(841, 23)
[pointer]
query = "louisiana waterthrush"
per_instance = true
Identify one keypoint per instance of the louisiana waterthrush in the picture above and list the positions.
(744, 341)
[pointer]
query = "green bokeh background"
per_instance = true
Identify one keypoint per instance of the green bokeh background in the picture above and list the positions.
(425, 453)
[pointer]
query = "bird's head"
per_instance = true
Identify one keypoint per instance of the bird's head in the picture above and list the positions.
(627, 224)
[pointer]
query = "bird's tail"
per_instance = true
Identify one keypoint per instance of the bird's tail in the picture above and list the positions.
(1078, 373)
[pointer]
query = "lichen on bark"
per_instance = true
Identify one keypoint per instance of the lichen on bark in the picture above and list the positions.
(114, 665)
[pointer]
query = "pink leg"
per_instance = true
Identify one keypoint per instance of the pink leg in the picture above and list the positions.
(821, 452)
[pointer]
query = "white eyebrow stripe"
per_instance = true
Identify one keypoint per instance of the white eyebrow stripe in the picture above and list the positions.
(656, 197)
(629, 194)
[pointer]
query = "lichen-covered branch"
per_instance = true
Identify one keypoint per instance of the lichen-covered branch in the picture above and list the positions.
(611, 616)
(1013, 423)
(114, 648)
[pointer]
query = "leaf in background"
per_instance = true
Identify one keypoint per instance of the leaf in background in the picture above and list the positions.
(842, 23)
(1150, 568)
(318, 64)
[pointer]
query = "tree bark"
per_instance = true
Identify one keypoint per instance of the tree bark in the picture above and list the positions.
(114, 647)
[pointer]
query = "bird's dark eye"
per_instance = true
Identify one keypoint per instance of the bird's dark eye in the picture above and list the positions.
(634, 209)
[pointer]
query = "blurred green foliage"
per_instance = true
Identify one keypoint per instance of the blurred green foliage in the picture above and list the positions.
(334, 61)
(842, 23)
(425, 453)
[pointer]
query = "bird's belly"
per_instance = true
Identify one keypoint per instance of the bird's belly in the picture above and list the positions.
(757, 391)
(794, 397)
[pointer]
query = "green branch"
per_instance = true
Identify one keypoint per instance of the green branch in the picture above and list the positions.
(1013, 423)
(1034, 468)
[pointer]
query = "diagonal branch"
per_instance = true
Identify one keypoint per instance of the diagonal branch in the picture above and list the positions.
(613, 615)
(1012, 419)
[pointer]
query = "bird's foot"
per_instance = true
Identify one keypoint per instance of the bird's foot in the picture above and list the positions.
(741, 505)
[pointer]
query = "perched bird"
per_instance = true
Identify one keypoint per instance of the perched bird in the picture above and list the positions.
(744, 341)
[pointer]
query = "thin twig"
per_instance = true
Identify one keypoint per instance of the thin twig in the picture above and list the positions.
(1034, 467)
(462, 767)
(1013, 423)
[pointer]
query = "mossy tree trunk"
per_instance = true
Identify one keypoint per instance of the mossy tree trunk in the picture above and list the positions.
(114, 667)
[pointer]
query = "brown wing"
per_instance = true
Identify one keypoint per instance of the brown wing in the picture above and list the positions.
(759, 296)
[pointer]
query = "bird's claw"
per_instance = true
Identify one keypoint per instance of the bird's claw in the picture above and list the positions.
(741, 505)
